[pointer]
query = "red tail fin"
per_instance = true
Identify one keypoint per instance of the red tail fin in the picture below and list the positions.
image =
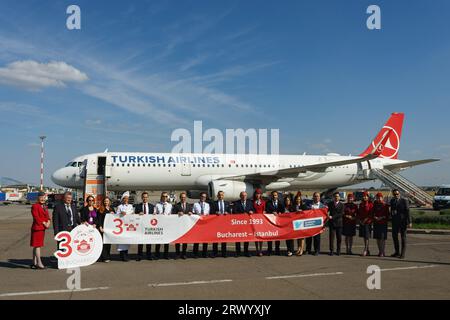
(392, 146)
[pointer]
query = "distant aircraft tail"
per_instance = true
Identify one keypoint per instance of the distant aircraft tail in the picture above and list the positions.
(392, 145)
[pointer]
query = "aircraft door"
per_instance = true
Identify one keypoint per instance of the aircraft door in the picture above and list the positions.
(186, 169)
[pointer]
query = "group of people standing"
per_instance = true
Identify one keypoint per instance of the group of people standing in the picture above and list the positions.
(343, 220)
(371, 217)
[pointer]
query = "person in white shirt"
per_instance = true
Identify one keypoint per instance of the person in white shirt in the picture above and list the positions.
(317, 204)
(124, 209)
(202, 208)
(165, 208)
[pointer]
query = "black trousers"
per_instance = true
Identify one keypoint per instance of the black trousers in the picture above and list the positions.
(335, 232)
(158, 249)
(310, 241)
(178, 246)
(290, 245)
(270, 246)
(204, 247)
(238, 247)
(223, 248)
(396, 229)
(106, 252)
(148, 248)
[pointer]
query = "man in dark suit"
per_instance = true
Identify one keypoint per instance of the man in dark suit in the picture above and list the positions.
(220, 207)
(243, 206)
(182, 208)
(401, 220)
(274, 206)
(144, 208)
(335, 224)
(65, 215)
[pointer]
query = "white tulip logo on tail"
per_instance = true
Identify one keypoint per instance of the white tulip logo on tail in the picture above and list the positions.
(390, 149)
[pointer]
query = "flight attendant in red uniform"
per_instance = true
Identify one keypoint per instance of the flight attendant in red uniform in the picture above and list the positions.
(349, 230)
(380, 220)
(365, 217)
(260, 207)
(41, 221)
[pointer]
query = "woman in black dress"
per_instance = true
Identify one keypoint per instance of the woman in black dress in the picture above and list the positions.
(105, 208)
(289, 208)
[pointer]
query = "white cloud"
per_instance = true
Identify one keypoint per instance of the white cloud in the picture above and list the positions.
(33, 75)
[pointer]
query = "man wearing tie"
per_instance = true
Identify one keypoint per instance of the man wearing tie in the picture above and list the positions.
(335, 224)
(243, 206)
(165, 208)
(221, 207)
(65, 215)
(401, 221)
(202, 208)
(274, 206)
(182, 208)
(142, 209)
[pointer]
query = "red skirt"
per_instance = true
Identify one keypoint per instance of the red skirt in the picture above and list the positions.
(37, 238)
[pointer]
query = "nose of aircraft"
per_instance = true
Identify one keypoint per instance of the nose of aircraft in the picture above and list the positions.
(60, 177)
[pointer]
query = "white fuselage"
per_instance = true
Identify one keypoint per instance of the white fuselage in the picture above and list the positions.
(168, 171)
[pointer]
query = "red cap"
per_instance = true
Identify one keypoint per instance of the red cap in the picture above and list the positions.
(351, 195)
(365, 193)
(379, 194)
(258, 191)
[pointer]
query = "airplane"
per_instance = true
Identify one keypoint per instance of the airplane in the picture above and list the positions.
(233, 173)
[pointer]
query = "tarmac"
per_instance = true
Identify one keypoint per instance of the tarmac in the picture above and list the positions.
(424, 274)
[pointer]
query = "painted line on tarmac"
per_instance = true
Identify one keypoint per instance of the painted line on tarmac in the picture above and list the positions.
(15, 294)
(305, 275)
(415, 244)
(188, 283)
(409, 268)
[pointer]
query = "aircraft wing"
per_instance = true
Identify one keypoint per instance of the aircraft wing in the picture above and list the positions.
(408, 164)
(268, 176)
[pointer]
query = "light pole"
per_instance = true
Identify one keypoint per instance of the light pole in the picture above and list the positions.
(42, 162)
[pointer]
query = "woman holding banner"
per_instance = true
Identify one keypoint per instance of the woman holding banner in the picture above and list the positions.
(299, 206)
(288, 207)
(41, 221)
(260, 207)
(124, 209)
(89, 214)
(105, 209)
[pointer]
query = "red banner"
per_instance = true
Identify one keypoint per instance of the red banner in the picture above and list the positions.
(256, 227)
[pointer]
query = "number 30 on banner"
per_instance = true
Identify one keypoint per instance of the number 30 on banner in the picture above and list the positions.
(119, 226)
(65, 244)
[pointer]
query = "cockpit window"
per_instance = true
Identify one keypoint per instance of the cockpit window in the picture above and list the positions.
(74, 164)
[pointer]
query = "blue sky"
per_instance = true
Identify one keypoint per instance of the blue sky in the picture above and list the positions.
(139, 69)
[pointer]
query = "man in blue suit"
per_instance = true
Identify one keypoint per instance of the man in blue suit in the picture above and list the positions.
(243, 206)
(274, 206)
